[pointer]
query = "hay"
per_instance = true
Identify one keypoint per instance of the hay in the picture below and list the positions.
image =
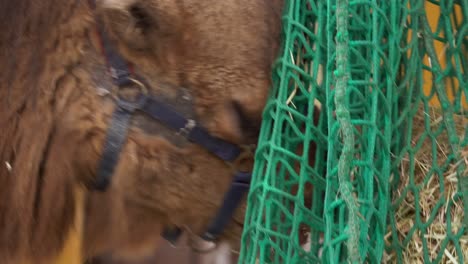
(427, 180)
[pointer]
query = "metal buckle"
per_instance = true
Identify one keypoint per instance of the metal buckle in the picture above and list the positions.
(185, 131)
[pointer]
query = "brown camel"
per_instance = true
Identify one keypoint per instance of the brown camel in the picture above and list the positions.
(210, 60)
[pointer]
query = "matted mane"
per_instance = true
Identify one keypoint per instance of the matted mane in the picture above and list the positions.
(25, 25)
(36, 196)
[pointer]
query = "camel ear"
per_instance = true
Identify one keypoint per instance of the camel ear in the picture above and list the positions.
(128, 20)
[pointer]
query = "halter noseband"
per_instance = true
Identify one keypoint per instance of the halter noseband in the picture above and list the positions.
(123, 76)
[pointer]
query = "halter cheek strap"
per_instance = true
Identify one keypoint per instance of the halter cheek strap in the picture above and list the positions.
(158, 110)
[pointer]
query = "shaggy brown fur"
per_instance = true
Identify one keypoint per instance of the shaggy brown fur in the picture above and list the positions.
(53, 121)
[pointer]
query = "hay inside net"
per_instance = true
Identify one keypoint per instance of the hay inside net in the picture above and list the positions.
(436, 183)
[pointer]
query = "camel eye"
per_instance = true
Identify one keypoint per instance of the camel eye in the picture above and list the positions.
(143, 20)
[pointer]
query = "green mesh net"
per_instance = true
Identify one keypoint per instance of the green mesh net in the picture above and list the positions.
(363, 151)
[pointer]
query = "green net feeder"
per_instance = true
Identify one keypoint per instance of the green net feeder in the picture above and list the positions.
(363, 151)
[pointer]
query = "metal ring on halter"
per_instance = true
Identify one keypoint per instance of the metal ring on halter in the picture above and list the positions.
(201, 246)
(131, 105)
(140, 84)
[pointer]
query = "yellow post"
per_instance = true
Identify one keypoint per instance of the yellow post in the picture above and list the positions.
(72, 251)
(433, 13)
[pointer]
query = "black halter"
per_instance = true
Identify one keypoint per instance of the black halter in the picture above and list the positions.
(159, 111)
